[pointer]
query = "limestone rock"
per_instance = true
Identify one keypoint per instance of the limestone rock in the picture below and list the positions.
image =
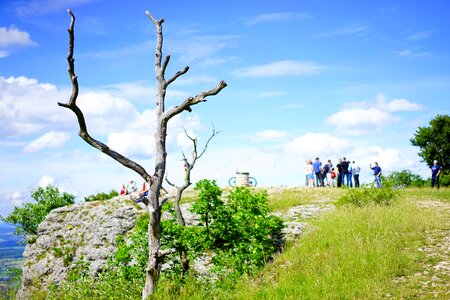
(81, 232)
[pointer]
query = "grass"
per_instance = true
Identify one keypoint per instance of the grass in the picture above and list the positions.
(354, 253)
(350, 253)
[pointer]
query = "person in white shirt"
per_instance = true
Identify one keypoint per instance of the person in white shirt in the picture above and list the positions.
(356, 170)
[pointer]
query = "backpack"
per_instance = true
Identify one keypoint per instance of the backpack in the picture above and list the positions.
(333, 174)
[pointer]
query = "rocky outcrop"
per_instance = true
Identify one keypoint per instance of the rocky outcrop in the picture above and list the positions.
(79, 233)
(86, 233)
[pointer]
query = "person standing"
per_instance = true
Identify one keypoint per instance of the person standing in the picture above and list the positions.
(339, 173)
(344, 166)
(333, 178)
(350, 174)
(327, 174)
(305, 167)
(310, 174)
(356, 170)
(435, 172)
(131, 187)
(317, 166)
(377, 173)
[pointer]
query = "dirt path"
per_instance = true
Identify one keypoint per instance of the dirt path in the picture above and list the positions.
(433, 281)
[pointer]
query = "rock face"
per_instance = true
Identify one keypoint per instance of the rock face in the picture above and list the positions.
(86, 233)
(81, 232)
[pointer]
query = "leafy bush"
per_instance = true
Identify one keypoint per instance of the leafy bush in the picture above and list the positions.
(444, 179)
(241, 231)
(28, 217)
(101, 196)
(404, 178)
(369, 195)
(241, 234)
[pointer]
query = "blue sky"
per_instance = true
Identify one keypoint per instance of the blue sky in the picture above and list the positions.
(305, 79)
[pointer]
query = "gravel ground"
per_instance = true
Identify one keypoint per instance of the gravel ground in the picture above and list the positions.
(433, 280)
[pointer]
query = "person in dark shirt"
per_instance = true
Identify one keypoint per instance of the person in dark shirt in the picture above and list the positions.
(377, 173)
(339, 173)
(435, 172)
(344, 166)
(317, 165)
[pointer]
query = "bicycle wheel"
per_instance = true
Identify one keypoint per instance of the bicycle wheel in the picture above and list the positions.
(252, 181)
(232, 181)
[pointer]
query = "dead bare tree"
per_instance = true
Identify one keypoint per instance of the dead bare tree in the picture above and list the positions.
(188, 166)
(155, 255)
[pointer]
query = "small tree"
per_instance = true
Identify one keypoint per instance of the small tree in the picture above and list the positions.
(404, 178)
(434, 142)
(163, 116)
(28, 217)
(188, 166)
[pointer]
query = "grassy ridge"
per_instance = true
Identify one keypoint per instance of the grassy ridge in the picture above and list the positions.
(350, 253)
(353, 254)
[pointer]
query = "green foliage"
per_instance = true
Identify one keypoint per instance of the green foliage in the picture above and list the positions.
(354, 253)
(131, 258)
(404, 178)
(241, 231)
(434, 142)
(101, 196)
(369, 195)
(9, 290)
(28, 217)
(444, 179)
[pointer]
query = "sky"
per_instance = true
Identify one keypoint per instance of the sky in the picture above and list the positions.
(306, 79)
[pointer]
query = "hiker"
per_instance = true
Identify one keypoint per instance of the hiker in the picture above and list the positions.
(377, 173)
(435, 172)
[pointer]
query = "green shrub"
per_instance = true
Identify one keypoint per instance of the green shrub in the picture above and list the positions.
(404, 178)
(28, 217)
(101, 196)
(444, 179)
(369, 195)
(241, 231)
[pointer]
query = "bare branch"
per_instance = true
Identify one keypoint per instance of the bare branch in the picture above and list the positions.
(214, 133)
(165, 199)
(194, 100)
(168, 181)
(159, 42)
(178, 74)
(72, 105)
(164, 253)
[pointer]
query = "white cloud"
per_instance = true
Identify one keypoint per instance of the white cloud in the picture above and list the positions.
(269, 94)
(27, 106)
(278, 17)
(132, 144)
(359, 121)
(292, 106)
(16, 199)
(420, 35)
(3, 53)
(312, 144)
(267, 135)
(408, 53)
(351, 30)
(362, 118)
(203, 48)
(13, 36)
(397, 104)
(50, 140)
(279, 68)
(46, 180)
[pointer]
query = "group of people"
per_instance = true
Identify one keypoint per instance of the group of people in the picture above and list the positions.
(131, 189)
(346, 173)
